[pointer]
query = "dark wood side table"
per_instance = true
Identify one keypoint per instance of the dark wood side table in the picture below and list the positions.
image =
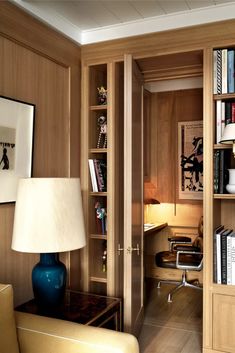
(83, 308)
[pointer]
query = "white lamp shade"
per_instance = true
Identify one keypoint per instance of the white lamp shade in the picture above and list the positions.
(228, 134)
(48, 216)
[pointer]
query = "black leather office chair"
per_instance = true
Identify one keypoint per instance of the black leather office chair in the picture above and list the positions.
(185, 255)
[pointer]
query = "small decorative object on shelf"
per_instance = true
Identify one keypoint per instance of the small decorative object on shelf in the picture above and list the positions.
(102, 95)
(230, 187)
(104, 259)
(102, 139)
(101, 216)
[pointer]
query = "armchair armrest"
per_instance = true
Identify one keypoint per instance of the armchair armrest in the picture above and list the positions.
(188, 266)
(37, 334)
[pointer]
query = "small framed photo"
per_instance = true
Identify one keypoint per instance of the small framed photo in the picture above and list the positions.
(16, 145)
(190, 159)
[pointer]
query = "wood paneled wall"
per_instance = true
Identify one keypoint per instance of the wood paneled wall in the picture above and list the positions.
(39, 66)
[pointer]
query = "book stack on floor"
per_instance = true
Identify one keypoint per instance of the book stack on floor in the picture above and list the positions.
(224, 256)
(221, 165)
(98, 172)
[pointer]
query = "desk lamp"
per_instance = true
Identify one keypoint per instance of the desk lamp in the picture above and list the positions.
(150, 192)
(48, 220)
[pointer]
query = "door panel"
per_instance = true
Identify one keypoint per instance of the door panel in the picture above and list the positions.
(133, 197)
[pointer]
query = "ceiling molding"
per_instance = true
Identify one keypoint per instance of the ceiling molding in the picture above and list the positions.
(160, 23)
(128, 29)
(52, 19)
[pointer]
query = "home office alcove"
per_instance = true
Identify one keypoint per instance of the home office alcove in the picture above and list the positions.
(173, 93)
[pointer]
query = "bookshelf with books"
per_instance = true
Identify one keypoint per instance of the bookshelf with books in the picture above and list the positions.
(219, 286)
(99, 182)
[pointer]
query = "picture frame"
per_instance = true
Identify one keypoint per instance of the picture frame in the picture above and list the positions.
(16, 145)
(190, 159)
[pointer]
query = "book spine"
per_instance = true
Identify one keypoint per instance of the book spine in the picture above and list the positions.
(224, 259)
(228, 114)
(214, 258)
(215, 71)
(221, 172)
(218, 257)
(93, 175)
(99, 177)
(229, 260)
(216, 172)
(230, 71)
(224, 71)
(233, 112)
(218, 120)
(219, 70)
(233, 259)
(222, 118)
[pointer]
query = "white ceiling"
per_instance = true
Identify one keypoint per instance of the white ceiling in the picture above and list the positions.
(93, 21)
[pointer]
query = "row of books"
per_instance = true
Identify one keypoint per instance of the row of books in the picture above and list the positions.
(224, 256)
(221, 175)
(223, 70)
(98, 173)
(225, 114)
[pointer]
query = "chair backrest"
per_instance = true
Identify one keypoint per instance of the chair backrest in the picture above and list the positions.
(8, 337)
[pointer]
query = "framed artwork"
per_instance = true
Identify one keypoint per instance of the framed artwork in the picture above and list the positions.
(16, 145)
(190, 159)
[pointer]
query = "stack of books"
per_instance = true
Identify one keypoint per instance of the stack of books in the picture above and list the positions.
(225, 114)
(221, 175)
(98, 173)
(224, 256)
(223, 69)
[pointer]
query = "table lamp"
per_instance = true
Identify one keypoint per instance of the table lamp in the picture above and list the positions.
(48, 220)
(150, 192)
(229, 136)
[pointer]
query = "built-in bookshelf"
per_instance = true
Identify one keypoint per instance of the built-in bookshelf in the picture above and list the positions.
(97, 150)
(223, 160)
(100, 177)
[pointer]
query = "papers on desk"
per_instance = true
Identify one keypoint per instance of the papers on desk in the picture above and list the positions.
(152, 227)
(148, 226)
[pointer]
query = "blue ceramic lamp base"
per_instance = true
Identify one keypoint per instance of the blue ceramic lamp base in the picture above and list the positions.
(49, 280)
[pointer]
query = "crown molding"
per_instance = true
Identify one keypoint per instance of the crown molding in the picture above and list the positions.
(129, 29)
(52, 19)
(160, 23)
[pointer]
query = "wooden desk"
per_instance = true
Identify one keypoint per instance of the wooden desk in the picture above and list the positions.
(153, 227)
(82, 308)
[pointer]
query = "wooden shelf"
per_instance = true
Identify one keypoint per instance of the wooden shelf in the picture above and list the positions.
(222, 146)
(224, 196)
(104, 193)
(223, 289)
(226, 96)
(98, 236)
(98, 107)
(98, 150)
(98, 279)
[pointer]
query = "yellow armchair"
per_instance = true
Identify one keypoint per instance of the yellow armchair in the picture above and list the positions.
(27, 333)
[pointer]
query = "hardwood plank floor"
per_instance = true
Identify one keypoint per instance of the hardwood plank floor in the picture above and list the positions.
(171, 327)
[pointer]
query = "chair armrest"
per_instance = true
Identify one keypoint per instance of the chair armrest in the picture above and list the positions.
(187, 266)
(187, 248)
(37, 334)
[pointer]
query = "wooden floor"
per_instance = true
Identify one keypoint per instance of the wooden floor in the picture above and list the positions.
(171, 327)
